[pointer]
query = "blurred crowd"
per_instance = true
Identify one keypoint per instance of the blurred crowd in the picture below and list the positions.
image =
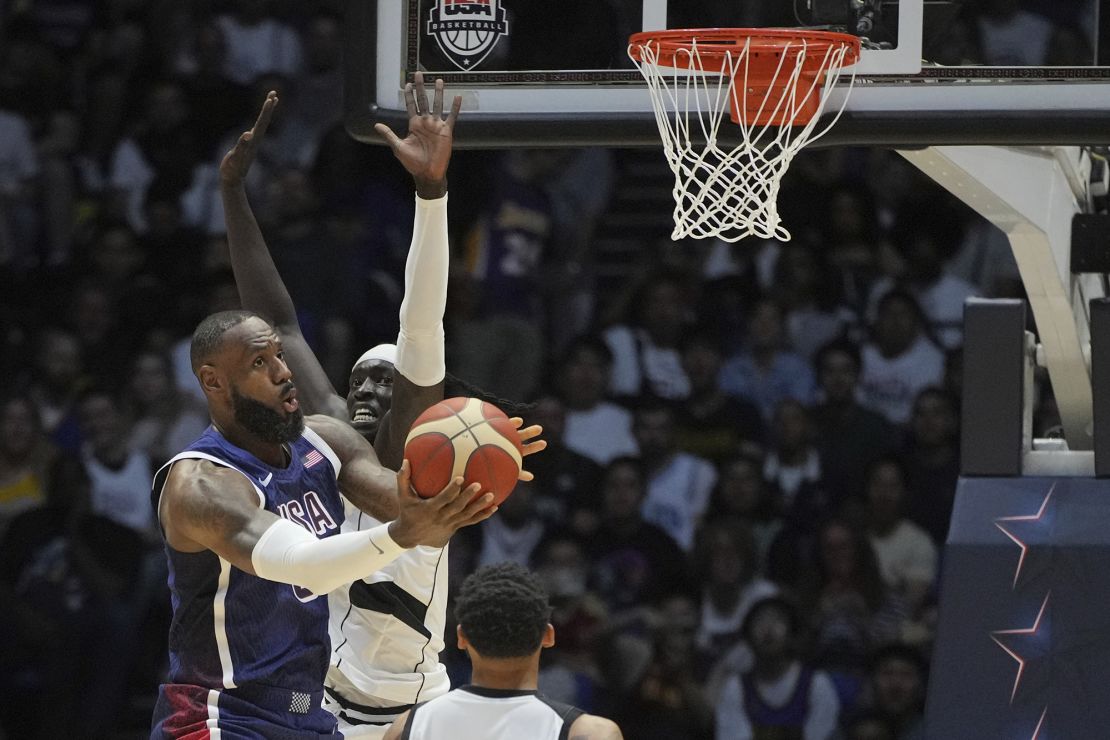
(753, 448)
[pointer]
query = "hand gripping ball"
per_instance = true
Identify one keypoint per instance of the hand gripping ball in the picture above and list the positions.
(464, 437)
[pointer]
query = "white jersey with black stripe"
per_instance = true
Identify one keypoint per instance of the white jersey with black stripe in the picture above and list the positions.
(478, 713)
(387, 633)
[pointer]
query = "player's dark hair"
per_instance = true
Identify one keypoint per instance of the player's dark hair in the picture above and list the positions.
(453, 385)
(503, 611)
(210, 332)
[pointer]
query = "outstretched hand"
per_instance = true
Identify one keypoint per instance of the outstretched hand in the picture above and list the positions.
(237, 162)
(528, 442)
(432, 521)
(426, 150)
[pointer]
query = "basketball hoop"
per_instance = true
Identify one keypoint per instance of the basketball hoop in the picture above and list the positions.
(775, 83)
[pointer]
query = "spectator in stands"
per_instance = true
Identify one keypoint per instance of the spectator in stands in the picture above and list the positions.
(162, 144)
(320, 86)
(500, 346)
(170, 245)
(94, 320)
(26, 458)
(570, 672)
(766, 372)
(709, 423)
(793, 464)
(848, 605)
(900, 359)
(849, 436)
(56, 380)
(634, 561)
(926, 242)
(667, 701)
(217, 102)
(57, 148)
(678, 483)
(19, 172)
(906, 554)
(515, 534)
(931, 460)
(851, 238)
(780, 695)
(897, 683)
(742, 494)
(596, 428)
(259, 43)
(814, 309)
(113, 479)
(163, 419)
(565, 480)
(727, 567)
(646, 357)
(66, 582)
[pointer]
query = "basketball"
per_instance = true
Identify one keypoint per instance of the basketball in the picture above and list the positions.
(464, 437)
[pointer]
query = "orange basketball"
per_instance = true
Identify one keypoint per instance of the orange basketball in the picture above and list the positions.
(464, 437)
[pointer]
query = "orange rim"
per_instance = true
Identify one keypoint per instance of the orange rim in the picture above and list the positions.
(766, 51)
(715, 43)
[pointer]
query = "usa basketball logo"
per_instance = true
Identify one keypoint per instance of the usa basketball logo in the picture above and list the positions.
(467, 30)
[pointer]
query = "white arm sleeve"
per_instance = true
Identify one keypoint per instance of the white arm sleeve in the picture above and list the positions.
(420, 341)
(288, 553)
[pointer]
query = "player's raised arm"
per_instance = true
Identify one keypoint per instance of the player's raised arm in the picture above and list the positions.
(419, 370)
(260, 286)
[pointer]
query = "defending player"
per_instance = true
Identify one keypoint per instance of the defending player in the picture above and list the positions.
(503, 625)
(250, 516)
(387, 630)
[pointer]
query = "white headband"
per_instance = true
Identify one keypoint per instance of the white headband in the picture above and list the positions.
(387, 352)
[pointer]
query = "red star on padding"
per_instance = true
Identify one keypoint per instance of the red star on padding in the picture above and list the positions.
(1021, 633)
(1019, 542)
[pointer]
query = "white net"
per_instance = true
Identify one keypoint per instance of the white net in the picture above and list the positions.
(732, 192)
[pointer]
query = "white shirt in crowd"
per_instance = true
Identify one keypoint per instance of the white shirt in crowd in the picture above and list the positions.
(601, 433)
(890, 385)
(822, 712)
(906, 555)
(634, 356)
(716, 623)
(678, 495)
(122, 495)
(942, 303)
(267, 46)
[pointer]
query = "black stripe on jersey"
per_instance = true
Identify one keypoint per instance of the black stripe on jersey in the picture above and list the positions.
(387, 597)
(365, 722)
(565, 711)
(363, 709)
(424, 650)
(350, 608)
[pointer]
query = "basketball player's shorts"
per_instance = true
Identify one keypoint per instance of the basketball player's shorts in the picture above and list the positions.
(363, 718)
(187, 712)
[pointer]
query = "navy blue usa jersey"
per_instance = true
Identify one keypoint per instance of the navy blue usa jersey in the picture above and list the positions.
(233, 629)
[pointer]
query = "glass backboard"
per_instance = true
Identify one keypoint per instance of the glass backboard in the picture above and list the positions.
(551, 74)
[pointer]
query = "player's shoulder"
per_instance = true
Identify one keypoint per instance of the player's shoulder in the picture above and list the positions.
(195, 476)
(592, 727)
(335, 432)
